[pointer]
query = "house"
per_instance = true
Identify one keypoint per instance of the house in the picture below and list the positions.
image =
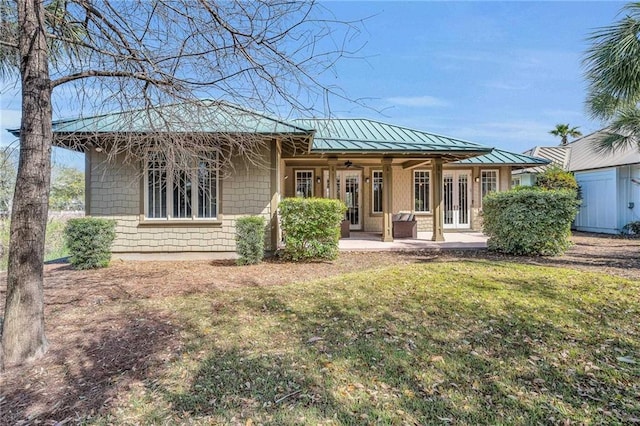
(557, 155)
(609, 182)
(377, 169)
(609, 185)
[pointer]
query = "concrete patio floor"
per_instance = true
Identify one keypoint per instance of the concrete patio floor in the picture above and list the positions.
(371, 241)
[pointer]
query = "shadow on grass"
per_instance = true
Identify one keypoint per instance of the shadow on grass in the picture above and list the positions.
(456, 360)
(110, 354)
(302, 387)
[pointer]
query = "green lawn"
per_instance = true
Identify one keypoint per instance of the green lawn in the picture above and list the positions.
(54, 244)
(433, 343)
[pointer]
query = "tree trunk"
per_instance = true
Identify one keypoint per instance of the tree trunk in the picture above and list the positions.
(23, 335)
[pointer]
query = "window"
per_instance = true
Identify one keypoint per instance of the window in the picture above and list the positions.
(190, 193)
(304, 183)
(421, 190)
(376, 191)
(515, 182)
(488, 181)
(156, 186)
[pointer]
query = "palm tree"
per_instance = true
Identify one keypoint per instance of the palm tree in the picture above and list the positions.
(612, 66)
(564, 131)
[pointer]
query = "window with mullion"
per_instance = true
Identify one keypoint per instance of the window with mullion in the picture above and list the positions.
(207, 189)
(304, 183)
(376, 191)
(488, 181)
(183, 201)
(156, 186)
(421, 188)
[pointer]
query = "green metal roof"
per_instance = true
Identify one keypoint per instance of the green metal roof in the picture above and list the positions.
(498, 156)
(364, 135)
(330, 135)
(205, 116)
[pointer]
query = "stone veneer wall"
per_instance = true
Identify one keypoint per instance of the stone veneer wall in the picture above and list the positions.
(115, 193)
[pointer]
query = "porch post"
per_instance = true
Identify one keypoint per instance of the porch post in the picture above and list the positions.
(332, 178)
(387, 200)
(438, 202)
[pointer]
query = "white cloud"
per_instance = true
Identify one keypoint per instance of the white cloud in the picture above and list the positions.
(417, 101)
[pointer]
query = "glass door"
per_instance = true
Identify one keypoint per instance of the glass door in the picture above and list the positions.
(348, 188)
(456, 199)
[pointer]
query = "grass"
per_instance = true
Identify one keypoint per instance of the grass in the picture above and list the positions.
(54, 243)
(440, 343)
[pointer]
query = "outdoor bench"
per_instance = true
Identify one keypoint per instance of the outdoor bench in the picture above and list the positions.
(404, 226)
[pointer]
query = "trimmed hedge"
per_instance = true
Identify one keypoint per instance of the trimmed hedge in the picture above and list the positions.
(529, 221)
(311, 227)
(250, 239)
(556, 178)
(89, 241)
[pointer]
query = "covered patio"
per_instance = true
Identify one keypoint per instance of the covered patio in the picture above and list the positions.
(372, 241)
(382, 170)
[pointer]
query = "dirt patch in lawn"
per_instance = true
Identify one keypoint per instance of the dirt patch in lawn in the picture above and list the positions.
(103, 342)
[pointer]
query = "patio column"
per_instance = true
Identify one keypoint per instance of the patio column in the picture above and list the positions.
(438, 202)
(332, 178)
(387, 200)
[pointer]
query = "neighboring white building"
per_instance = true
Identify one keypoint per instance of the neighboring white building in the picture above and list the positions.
(610, 185)
(609, 182)
(558, 155)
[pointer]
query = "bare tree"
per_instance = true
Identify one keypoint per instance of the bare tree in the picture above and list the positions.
(263, 55)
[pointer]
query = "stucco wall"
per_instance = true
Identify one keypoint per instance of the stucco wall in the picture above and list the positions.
(116, 193)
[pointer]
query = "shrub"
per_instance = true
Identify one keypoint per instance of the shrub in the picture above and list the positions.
(631, 228)
(250, 239)
(311, 227)
(556, 178)
(529, 221)
(89, 241)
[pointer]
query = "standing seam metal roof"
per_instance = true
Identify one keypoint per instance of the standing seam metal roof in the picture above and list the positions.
(205, 116)
(329, 135)
(585, 157)
(342, 135)
(498, 156)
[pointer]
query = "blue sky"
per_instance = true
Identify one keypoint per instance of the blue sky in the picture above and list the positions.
(497, 73)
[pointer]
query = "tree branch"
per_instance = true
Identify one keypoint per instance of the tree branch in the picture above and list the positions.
(116, 74)
(8, 44)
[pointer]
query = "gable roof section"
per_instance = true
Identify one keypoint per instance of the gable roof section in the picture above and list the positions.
(205, 116)
(556, 155)
(368, 136)
(504, 158)
(585, 157)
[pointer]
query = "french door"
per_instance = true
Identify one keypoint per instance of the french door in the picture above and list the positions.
(348, 188)
(456, 193)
